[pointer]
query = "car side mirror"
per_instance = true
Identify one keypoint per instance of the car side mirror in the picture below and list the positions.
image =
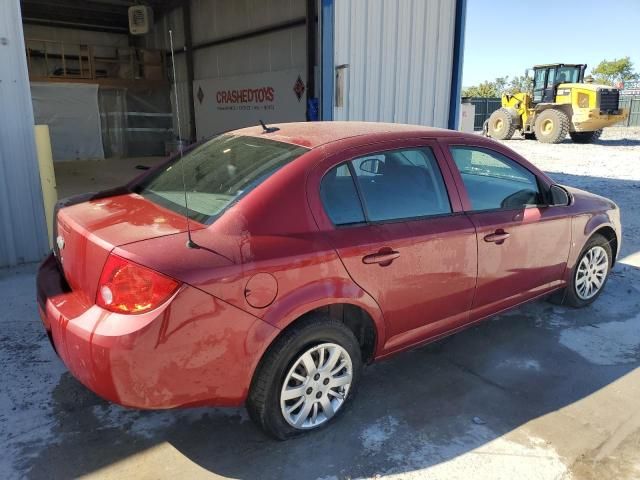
(372, 165)
(559, 196)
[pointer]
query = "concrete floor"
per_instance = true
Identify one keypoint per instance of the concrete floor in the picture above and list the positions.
(543, 392)
(80, 176)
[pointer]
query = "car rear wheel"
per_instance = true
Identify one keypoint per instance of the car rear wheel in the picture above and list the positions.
(306, 378)
(590, 274)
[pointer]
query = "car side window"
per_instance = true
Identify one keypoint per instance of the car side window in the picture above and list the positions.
(494, 181)
(340, 197)
(401, 184)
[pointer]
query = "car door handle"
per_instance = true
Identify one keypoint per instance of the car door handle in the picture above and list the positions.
(381, 258)
(499, 236)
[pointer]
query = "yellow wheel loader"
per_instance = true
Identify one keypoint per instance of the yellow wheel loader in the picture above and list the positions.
(561, 103)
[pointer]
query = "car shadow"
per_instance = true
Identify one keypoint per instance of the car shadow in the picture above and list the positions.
(414, 411)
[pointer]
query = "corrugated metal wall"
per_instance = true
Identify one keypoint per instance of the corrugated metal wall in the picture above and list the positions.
(159, 38)
(282, 50)
(23, 236)
(213, 20)
(399, 58)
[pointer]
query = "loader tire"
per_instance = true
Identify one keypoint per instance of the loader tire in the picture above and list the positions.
(585, 137)
(502, 125)
(551, 126)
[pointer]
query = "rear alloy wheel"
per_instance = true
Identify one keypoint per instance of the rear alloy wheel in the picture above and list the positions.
(306, 379)
(501, 125)
(585, 137)
(590, 274)
(551, 126)
(316, 386)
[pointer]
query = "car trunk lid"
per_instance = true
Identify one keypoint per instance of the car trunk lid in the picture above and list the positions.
(87, 232)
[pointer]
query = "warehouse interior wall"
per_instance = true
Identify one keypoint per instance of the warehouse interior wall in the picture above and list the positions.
(72, 114)
(237, 46)
(393, 61)
(57, 40)
(159, 38)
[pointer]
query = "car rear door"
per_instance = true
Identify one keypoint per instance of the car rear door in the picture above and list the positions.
(395, 218)
(523, 245)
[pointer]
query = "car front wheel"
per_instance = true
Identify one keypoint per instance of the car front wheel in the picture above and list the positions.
(306, 379)
(590, 273)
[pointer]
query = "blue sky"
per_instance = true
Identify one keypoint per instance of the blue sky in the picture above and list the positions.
(504, 37)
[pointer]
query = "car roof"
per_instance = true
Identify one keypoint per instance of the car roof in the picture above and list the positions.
(314, 134)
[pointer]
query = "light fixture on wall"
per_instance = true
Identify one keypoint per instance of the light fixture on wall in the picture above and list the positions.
(140, 19)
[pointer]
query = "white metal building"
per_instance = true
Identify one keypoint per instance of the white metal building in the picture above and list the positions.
(237, 62)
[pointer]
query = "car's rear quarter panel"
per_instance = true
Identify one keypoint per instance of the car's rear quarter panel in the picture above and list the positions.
(194, 350)
(272, 231)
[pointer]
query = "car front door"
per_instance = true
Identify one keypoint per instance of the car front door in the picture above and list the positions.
(390, 214)
(523, 245)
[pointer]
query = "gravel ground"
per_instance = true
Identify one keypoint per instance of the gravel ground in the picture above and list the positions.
(543, 392)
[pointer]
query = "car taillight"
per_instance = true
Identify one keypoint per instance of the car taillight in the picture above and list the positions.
(126, 287)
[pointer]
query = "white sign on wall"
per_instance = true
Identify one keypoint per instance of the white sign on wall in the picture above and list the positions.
(631, 87)
(228, 103)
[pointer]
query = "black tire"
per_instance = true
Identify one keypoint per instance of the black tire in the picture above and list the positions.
(551, 126)
(263, 403)
(569, 296)
(530, 136)
(585, 137)
(501, 125)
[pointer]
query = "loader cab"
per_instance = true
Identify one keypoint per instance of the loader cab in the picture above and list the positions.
(546, 79)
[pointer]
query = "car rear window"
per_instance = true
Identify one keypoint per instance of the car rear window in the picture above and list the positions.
(217, 174)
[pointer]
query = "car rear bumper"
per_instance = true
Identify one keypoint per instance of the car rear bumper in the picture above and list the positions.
(194, 350)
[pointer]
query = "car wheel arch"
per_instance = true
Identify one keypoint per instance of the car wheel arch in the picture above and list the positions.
(361, 314)
(601, 223)
(610, 234)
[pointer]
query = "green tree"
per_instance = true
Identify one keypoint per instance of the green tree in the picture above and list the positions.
(520, 83)
(487, 88)
(617, 70)
(499, 86)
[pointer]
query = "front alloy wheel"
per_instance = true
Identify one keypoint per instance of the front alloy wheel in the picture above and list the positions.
(316, 386)
(591, 272)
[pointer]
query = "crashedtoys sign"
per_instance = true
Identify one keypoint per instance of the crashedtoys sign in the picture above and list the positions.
(233, 102)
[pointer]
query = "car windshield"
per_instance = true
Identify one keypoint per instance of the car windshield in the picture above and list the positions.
(217, 174)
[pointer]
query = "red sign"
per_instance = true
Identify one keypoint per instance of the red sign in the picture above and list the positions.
(246, 95)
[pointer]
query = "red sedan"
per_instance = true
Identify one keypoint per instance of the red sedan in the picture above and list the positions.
(306, 251)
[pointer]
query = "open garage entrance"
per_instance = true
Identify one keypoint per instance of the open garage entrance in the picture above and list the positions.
(101, 76)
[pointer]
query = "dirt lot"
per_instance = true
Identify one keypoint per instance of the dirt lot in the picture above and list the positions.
(543, 392)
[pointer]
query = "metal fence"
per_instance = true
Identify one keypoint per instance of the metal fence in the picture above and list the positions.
(633, 104)
(486, 106)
